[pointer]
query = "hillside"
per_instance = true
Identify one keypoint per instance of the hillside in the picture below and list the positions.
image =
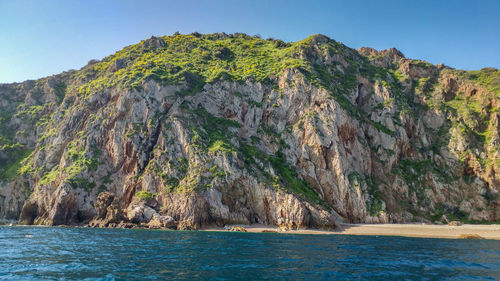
(183, 131)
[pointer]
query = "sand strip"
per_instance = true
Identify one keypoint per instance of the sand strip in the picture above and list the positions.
(408, 230)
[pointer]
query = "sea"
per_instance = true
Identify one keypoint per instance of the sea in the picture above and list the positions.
(58, 253)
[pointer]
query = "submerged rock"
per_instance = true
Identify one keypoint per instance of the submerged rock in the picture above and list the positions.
(470, 236)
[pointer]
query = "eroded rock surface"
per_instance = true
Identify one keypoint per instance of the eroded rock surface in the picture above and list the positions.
(339, 136)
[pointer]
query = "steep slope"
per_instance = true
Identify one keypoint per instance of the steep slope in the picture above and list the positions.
(188, 130)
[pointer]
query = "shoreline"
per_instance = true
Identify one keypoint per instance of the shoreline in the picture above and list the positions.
(481, 231)
(491, 231)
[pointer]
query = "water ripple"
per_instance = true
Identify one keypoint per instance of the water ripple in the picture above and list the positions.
(39, 253)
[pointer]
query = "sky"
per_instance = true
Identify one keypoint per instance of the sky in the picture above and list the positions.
(40, 38)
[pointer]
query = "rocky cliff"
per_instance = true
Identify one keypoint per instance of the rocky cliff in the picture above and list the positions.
(189, 130)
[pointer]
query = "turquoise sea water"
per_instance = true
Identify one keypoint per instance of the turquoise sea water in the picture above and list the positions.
(30, 253)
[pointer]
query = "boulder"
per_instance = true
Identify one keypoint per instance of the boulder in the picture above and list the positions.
(104, 199)
(454, 223)
(238, 229)
(140, 213)
(158, 221)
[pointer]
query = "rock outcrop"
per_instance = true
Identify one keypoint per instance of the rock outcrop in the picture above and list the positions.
(191, 130)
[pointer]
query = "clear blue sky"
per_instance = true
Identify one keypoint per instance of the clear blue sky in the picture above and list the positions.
(39, 38)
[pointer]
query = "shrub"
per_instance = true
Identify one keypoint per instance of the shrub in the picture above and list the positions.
(145, 195)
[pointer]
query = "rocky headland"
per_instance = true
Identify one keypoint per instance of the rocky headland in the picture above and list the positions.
(186, 131)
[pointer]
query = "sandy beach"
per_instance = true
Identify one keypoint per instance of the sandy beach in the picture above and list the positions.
(408, 230)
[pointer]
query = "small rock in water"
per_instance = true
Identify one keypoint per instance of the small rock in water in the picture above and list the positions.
(470, 236)
(238, 228)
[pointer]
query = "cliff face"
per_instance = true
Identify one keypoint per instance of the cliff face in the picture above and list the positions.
(189, 130)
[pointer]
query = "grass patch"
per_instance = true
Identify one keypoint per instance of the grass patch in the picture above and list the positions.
(10, 168)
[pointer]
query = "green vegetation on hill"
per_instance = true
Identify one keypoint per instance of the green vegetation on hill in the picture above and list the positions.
(192, 59)
(198, 59)
(488, 77)
(474, 114)
(15, 154)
